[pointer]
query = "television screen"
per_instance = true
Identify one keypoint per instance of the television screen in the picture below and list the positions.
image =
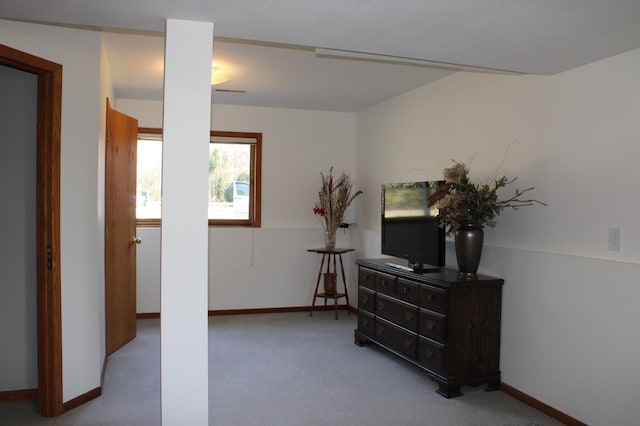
(409, 227)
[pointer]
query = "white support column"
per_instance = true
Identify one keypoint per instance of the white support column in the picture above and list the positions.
(184, 240)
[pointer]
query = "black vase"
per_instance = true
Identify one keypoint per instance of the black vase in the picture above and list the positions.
(468, 238)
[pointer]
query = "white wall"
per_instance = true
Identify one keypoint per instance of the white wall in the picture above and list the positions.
(266, 267)
(79, 52)
(569, 307)
(18, 328)
(106, 91)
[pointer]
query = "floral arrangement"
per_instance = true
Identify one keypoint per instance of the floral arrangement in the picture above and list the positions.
(334, 198)
(460, 202)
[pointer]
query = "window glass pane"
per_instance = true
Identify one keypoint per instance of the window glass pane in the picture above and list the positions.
(229, 175)
(234, 169)
(149, 179)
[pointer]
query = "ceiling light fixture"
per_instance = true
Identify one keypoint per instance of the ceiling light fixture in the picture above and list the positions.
(217, 78)
(322, 52)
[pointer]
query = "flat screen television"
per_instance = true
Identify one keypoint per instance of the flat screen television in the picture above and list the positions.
(409, 227)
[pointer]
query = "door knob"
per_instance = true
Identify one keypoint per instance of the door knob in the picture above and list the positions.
(136, 240)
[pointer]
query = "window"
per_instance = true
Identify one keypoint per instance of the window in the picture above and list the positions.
(149, 177)
(234, 178)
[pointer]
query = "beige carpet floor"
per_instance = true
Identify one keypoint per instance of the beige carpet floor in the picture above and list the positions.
(285, 369)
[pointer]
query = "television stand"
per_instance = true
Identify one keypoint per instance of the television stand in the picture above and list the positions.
(398, 266)
(416, 269)
(448, 327)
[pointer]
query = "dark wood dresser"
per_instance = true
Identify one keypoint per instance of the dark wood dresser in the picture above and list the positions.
(447, 327)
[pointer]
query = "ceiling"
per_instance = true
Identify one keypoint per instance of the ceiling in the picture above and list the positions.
(267, 47)
(267, 75)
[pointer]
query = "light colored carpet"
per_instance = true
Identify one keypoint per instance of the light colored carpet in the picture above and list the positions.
(285, 370)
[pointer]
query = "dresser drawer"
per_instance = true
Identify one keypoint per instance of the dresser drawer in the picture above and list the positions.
(398, 312)
(399, 339)
(366, 299)
(366, 323)
(434, 298)
(367, 278)
(433, 325)
(432, 355)
(386, 283)
(408, 291)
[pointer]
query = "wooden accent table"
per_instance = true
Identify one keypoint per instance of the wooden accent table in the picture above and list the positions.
(328, 253)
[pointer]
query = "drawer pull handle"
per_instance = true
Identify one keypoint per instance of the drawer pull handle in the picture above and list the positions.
(428, 354)
(381, 305)
(405, 290)
(430, 324)
(408, 316)
(365, 322)
(430, 297)
(407, 343)
(365, 299)
(380, 330)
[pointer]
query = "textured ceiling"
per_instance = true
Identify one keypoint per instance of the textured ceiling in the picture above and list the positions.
(267, 76)
(526, 36)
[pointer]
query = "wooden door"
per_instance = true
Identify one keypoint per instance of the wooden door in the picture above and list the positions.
(120, 229)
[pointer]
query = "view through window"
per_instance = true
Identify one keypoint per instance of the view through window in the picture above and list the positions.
(234, 178)
(149, 176)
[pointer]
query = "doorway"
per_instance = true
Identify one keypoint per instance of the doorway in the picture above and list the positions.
(18, 357)
(48, 291)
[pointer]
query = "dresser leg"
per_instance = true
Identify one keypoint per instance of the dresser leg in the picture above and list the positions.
(359, 340)
(448, 391)
(493, 385)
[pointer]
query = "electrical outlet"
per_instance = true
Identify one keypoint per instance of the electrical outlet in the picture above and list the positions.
(615, 239)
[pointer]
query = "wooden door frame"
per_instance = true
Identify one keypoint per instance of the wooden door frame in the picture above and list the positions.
(49, 292)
